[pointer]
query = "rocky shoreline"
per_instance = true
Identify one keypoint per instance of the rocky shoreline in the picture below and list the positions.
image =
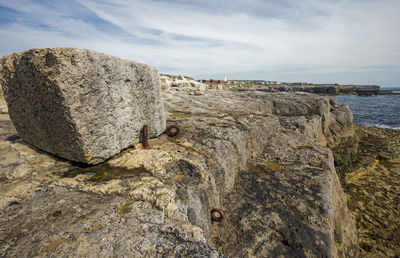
(370, 175)
(360, 90)
(262, 161)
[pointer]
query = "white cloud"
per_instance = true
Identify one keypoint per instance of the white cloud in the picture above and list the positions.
(258, 38)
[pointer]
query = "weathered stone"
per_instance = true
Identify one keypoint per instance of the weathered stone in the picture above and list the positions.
(180, 83)
(252, 154)
(79, 104)
(275, 180)
(165, 83)
(362, 90)
(370, 176)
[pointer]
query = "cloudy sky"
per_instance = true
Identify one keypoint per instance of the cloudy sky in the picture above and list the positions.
(321, 41)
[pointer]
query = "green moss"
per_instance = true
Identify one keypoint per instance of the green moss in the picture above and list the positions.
(347, 158)
(256, 169)
(351, 252)
(338, 234)
(360, 133)
(370, 176)
(272, 165)
(386, 163)
(275, 166)
(180, 115)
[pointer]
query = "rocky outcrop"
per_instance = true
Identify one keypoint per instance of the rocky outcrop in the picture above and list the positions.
(370, 175)
(320, 118)
(361, 90)
(79, 104)
(181, 83)
(260, 157)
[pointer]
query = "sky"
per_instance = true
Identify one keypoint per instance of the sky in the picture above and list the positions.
(318, 41)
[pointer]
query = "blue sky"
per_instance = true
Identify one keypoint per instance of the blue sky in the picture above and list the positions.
(321, 41)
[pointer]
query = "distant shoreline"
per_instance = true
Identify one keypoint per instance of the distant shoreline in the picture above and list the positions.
(360, 90)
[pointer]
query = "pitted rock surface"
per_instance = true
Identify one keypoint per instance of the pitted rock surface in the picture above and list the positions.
(260, 157)
(79, 104)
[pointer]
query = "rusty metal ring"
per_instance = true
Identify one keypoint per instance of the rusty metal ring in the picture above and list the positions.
(145, 140)
(220, 214)
(170, 132)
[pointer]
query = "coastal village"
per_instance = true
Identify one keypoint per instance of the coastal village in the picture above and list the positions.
(239, 82)
(184, 82)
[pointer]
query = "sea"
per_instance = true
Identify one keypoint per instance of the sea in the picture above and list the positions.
(381, 111)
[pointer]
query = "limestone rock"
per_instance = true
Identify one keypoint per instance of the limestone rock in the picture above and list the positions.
(276, 181)
(79, 224)
(181, 83)
(79, 104)
(253, 154)
(362, 90)
(165, 83)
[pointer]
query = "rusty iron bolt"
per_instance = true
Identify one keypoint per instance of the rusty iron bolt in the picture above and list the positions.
(145, 140)
(173, 130)
(217, 214)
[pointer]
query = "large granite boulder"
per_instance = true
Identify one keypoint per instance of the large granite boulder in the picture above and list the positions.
(79, 104)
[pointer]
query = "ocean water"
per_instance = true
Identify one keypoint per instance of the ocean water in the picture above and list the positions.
(376, 111)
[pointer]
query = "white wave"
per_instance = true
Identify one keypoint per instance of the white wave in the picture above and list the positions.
(381, 126)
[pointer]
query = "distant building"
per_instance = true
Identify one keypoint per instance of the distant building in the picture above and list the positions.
(226, 81)
(212, 81)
